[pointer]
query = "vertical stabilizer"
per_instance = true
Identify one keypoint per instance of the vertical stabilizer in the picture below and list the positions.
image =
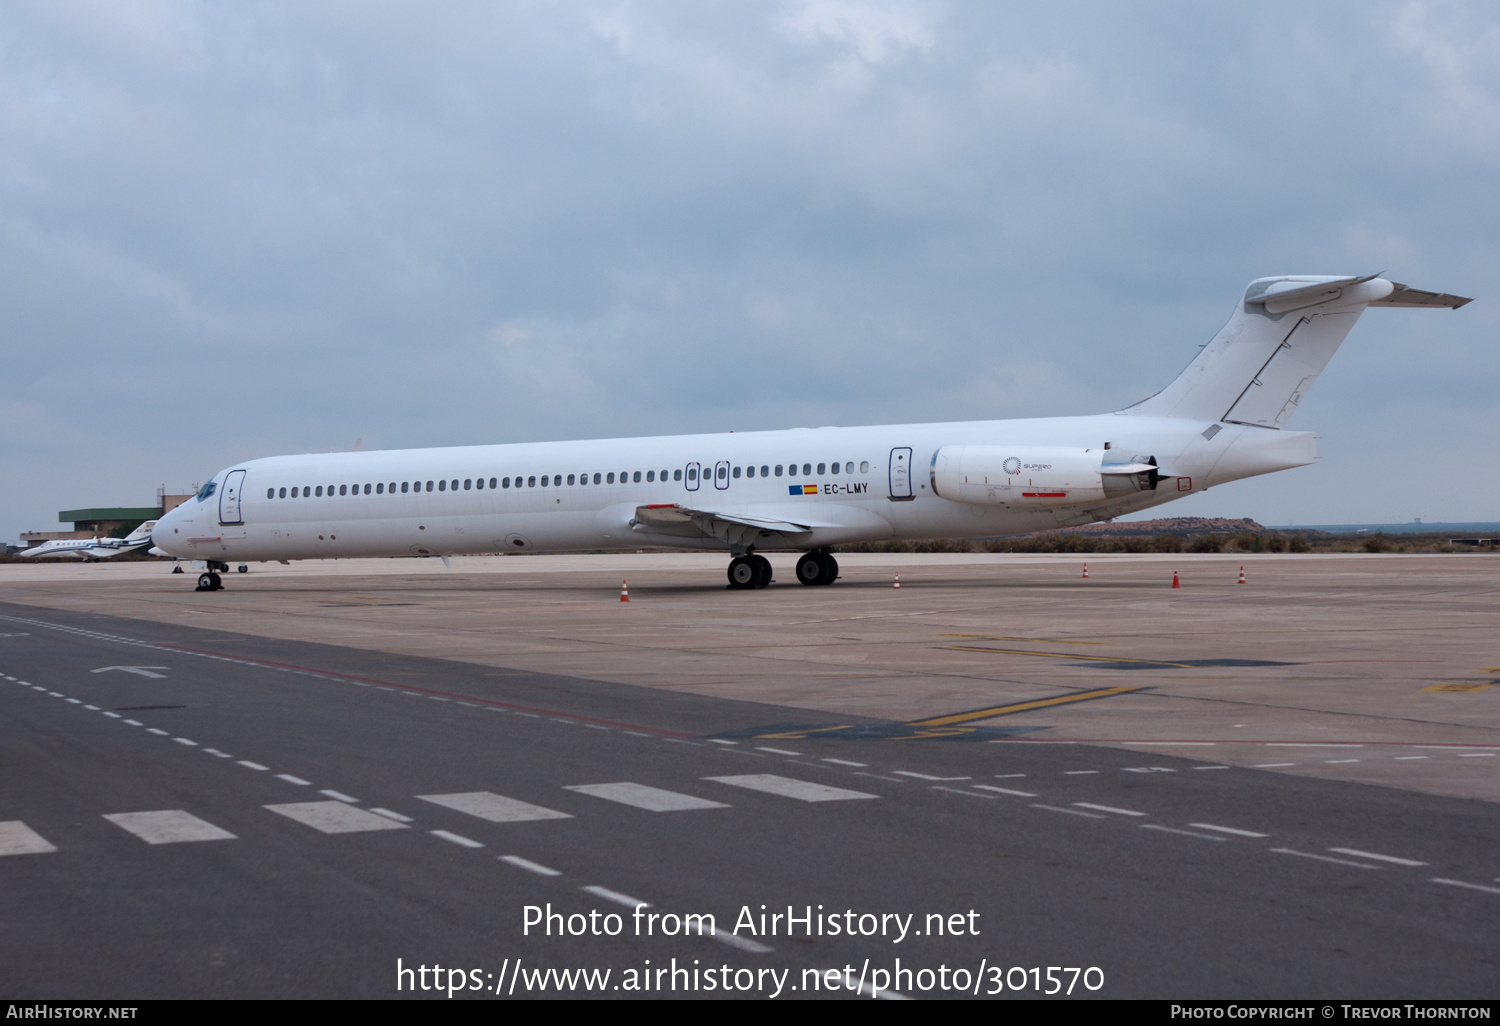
(1260, 365)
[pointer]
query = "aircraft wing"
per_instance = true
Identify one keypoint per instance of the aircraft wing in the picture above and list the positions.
(733, 526)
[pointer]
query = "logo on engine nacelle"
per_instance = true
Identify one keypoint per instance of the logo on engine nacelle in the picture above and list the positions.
(1012, 466)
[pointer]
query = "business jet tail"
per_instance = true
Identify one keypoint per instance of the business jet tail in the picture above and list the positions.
(1285, 330)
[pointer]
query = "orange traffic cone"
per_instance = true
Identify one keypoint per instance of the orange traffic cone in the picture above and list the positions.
(1175, 582)
(897, 585)
(1085, 571)
(1242, 575)
(624, 591)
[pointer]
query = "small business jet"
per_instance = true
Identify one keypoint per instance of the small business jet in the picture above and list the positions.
(804, 490)
(90, 549)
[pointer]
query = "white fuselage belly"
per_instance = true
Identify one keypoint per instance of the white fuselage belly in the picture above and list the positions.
(847, 507)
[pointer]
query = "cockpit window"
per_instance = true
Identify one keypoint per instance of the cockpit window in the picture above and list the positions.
(206, 491)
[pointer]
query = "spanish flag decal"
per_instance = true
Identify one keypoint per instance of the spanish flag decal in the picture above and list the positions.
(802, 490)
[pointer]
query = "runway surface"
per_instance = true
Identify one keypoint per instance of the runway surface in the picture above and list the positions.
(188, 812)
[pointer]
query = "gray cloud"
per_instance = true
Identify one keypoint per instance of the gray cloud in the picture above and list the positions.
(229, 231)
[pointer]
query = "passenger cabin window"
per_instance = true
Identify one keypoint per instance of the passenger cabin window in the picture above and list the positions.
(723, 473)
(650, 475)
(270, 493)
(637, 477)
(468, 484)
(442, 486)
(864, 466)
(531, 482)
(676, 475)
(429, 486)
(692, 473)
(570, 479)
(835, 468)
(598, 478)
(778, 470)
(820, 470)
(610, 477)
(736, 471)
(492, 484)
(380, 488)
(455, 484)
(807, 470)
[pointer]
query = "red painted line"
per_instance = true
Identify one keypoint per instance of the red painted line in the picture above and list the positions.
(425, 691)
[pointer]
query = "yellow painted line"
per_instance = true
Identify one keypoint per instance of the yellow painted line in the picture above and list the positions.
(998, 637)
(1005, 710)
(1489, 669)
(1459, 687)
(1065, 655)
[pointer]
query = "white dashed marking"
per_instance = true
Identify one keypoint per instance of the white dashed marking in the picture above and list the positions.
(1005, 790)
(1379, 858)
(1228, 830)
(1470, 886)
(340, 796)
(450, 836)
(1108, 808)
(293, 780)
(1184, 833)
(529, 866)
(1323, 858)
(615, 896)
(251, 765)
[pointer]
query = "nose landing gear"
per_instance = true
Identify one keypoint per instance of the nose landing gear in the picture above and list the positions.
(211, 581)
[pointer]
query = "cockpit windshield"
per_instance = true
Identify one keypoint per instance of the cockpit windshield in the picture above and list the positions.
(205, 491)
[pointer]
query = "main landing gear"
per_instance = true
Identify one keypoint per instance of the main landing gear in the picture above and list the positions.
(817, 567)
(749, 571)
(211, 581)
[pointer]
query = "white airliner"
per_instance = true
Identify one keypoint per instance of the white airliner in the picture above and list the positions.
(90, 549)
(804, 490)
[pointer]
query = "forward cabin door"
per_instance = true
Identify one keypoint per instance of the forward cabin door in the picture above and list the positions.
(900, 475)
(229, 498)
(692, 477)
(721, 475)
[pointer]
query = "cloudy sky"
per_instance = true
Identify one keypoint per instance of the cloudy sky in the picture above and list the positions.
(237, 230)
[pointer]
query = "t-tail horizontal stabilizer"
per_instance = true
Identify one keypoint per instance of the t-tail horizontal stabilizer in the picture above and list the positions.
(1285, 330)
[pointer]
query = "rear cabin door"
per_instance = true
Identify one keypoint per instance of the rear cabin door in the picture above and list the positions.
(900, 474)
(229, 498)
(692, 477)
(721, 475)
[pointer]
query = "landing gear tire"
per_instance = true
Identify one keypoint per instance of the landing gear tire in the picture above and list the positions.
(752, 571)
(209, 582)
(762, 571)
(742, 572)
(817, 568)
(177, 569)
(244, 569)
